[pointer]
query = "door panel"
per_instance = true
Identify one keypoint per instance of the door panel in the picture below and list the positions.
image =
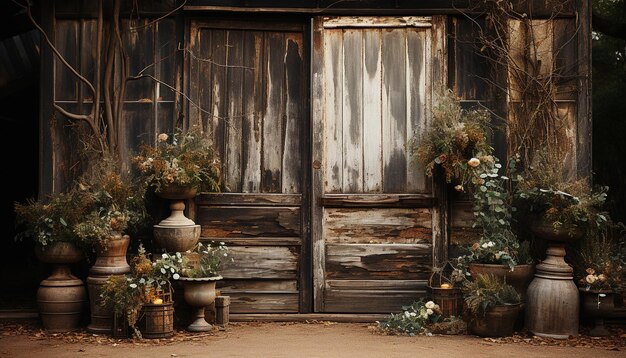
(249, 81)
(374, 213)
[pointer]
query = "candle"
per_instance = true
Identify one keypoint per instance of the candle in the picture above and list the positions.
(157, 301)
(446, 285)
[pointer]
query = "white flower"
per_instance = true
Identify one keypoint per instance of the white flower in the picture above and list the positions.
(458, 187)
(142, 280)
(430, 304)
(407, 314)
(429, 311)
(474, 162)
(484, 246)
(413, 314)
(176, 276)
(222, 243)
(163, 270)
(491, 244)
(133, 285)
(225, 254)
(164, 256)
(162, 137)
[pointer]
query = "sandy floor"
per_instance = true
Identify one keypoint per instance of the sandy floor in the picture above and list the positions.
(284, 340)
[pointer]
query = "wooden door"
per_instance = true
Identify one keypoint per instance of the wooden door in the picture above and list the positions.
(248, 83)
(376, 222)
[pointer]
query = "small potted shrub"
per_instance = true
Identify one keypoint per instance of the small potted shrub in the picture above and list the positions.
(492, 306)
(199, 275)
(413, 319)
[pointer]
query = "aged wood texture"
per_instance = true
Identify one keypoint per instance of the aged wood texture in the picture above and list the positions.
(375, 211)
(249, 83)
(250, 76)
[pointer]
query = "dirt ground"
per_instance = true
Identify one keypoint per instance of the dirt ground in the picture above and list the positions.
(316, 339)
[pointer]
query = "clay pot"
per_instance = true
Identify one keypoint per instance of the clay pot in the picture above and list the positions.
(199, 293)
(519, 277)
(497, 322)
(177, 192)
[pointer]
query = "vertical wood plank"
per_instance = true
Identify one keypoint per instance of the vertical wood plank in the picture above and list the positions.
(318, 110)
(218, 84)
(202, 80)
(583, 135)
(46, 99)
(66, 39)
(273, 118)
(394, 110)
(333, 93)
(416, 87)
(292, 153)
(234, 76)
(253, 107)
(352, 112)
(372, 125)
(439, 70)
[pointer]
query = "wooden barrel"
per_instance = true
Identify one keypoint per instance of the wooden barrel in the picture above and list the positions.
(61, 304)
(157, 321)
(450, 300)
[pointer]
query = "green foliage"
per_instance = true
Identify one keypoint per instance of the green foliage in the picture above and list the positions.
(487, 291)
(185, 159)
(53, 220)
(570, 204)
(413, 320)
(210, 259)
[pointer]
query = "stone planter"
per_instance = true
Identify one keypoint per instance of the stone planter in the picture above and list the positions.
(177, 194)
(199, 293)
(62, 296)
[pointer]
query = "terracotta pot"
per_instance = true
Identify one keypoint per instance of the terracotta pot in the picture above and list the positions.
(520, 277)
(110, 260)
(497, 322)
(597, 304)
(199, 293)
(62, 296)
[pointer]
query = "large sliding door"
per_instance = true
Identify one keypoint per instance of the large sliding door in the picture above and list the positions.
(375, 218)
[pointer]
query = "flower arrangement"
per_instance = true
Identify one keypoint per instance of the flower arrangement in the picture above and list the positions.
(414, 319)
(183, 159)
(487, 291)
(456, 141)
(204, 260)
(148, 283)
(114, 203)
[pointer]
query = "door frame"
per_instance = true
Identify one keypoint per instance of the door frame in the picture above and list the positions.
(438, 85)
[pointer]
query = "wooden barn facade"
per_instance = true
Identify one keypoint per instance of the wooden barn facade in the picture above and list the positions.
(311, 105)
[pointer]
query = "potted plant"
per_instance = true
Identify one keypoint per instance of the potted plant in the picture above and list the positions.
(492, 306)
(199, 275)
(413, 319)
(457, 144)
(50, 223)
(146, 289)
(176, 167)
(600, 269)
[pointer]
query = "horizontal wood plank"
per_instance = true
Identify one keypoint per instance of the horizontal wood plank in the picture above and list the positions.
(288, 286)
(365, 21)
(369, 301)
(378, 261)
(242, 221)
(410, 285)
(262, 302)
(257, 241)
(308, 317)
(258, 262)
(382, 226)
(251, 199)
(378, 201)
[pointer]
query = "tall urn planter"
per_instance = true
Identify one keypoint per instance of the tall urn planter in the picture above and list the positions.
(177, 233)
(552, 298)
(62, 296)
(110, 260)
